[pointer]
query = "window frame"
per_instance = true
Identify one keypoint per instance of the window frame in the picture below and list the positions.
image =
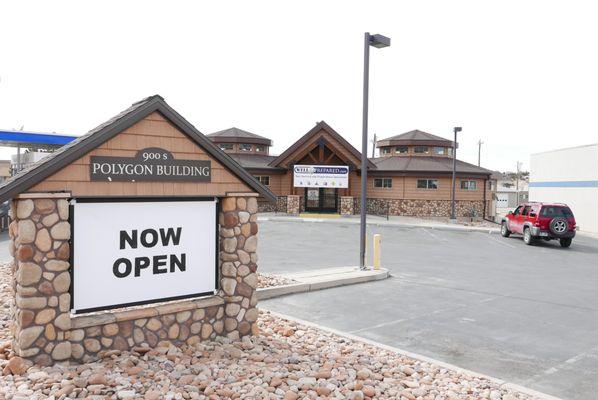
(469, 183)
(260, 178)
(385, 151)
(228, 146)
(397, 151)
(436, 148)
(427, 149)
(260, 148)
(427, 186)
(385, 183)
(243, 147)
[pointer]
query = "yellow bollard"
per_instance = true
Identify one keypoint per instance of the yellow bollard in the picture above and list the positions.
(377, 241)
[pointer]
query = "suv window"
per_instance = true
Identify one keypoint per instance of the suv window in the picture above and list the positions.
(556, 211)
(525, 210)
(517, 210)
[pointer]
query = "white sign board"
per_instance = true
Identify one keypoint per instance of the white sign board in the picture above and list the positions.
(136, 252)
(331, 176)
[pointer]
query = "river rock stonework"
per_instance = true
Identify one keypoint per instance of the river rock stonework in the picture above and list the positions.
(422, 208)
(44, 330)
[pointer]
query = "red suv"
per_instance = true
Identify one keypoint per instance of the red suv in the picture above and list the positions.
(541, 220)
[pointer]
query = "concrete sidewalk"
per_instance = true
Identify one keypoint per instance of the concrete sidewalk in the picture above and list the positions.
(325, 278)
(398, 221)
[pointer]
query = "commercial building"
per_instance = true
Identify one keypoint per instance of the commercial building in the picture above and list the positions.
(568, 176)
(320, 172)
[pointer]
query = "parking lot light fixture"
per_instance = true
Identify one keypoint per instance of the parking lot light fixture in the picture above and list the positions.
(377, 41)
(456, 129)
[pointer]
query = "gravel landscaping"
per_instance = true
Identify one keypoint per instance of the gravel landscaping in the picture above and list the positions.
(285, 361)
(268, 280)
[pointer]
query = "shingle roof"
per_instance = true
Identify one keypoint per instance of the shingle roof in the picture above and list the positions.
(115, 125)
(425, 164)
(242, 136)
(415, 137)
(255, 161)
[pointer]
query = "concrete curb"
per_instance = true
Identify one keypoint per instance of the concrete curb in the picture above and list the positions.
(440, 227)
(321, 279)
(501, 383)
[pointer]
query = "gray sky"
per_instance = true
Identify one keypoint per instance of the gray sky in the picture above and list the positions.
(520, 75)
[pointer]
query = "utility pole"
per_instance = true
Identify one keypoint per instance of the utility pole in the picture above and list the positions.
(480, 143)
(374, 146)
(517, 180)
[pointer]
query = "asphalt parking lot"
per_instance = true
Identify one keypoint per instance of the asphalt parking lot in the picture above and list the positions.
(526, 314)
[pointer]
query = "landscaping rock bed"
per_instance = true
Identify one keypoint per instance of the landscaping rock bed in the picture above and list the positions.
(267, 280)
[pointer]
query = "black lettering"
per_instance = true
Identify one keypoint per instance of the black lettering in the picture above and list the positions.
(181, 263)
(144, 235)
(160, 261)
(170, 235)
(140, 263)
(132, 240)
(116, 268)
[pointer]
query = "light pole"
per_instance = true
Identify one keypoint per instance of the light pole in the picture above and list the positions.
(455, 130)
(377, 41)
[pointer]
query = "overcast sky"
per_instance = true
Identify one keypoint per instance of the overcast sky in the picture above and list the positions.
(520, 75)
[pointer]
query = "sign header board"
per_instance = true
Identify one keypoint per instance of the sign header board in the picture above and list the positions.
(149, 165)
(331, 176)
(143, 252)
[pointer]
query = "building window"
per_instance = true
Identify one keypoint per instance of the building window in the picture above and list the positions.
(439, 151)
(245, 147)
(226, 146)
(401, 149)
(421, 149)
(260, 148)
(264, 180)
(469, 185)
(385, 150)
(449, 151)
(385, 183)
(427, 183)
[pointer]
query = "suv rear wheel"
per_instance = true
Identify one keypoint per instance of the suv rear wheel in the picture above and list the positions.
(565, 242)
(504, 230)
(527, 236)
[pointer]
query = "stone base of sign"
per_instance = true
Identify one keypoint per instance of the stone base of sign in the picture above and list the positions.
(346, 205)
(44, 329)
(293, 204)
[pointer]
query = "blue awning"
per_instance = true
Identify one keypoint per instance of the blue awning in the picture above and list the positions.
(25, 139)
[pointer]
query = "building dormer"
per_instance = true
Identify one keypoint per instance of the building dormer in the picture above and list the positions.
(238, 141)
(415, 143)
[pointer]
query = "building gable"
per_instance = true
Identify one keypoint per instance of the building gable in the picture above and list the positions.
(320, 136)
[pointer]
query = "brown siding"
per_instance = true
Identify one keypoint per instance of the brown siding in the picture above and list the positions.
(406, 188)
(153, 131)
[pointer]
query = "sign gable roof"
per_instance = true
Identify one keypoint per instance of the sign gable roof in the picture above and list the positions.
(109, 129)
(320, 126)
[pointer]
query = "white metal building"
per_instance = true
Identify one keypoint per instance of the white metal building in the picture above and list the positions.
(568, 176)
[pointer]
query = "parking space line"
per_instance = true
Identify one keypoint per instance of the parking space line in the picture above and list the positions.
(501, 241)
(436, 237)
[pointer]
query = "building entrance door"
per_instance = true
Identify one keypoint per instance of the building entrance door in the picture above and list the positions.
(321, 200)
